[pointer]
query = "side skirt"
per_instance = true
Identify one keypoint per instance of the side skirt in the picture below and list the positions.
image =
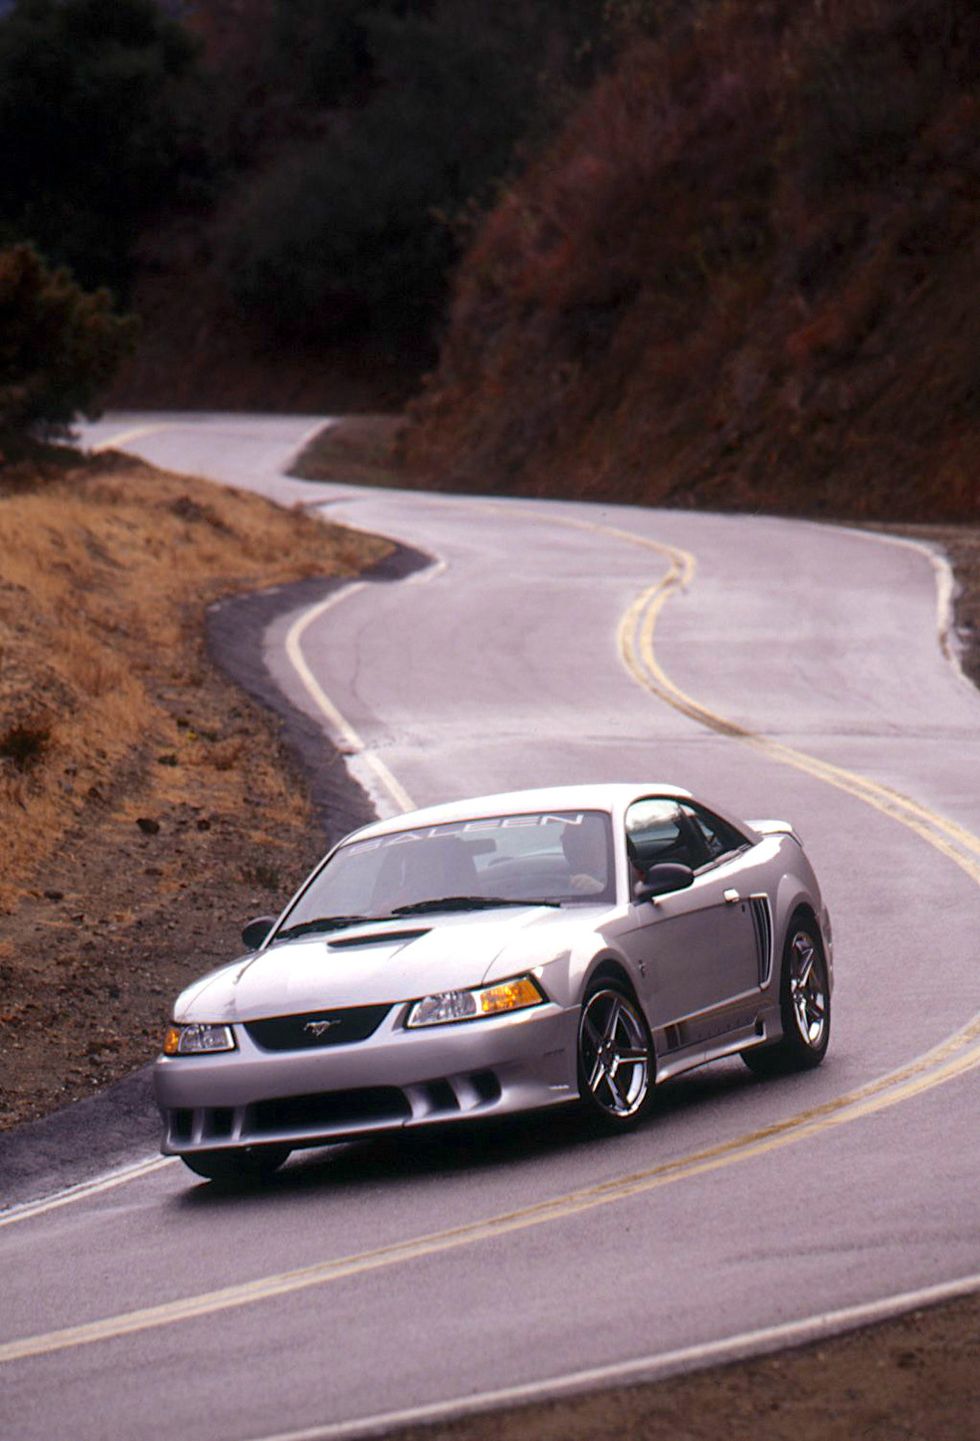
(765, 1028)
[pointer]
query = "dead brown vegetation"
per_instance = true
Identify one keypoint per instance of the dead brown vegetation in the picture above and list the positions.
(147, 807)
(105, 575)
(746, 276)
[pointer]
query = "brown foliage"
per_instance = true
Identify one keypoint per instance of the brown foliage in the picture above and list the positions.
(105, 576)
(746, 275)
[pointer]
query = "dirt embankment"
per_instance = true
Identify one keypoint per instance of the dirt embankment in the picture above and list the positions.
(147, 806)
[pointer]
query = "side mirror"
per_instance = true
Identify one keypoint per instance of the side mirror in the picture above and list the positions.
(663, 878)
(256, 931)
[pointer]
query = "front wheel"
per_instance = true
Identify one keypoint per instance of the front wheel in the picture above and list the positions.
(615, 1057)
(245, 1165)
(804, 1002)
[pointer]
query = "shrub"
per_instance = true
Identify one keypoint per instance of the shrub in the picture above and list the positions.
(24, 742)
(59, 347)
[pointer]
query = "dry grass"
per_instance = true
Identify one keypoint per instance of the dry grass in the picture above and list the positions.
(105, 575)
(147, 806)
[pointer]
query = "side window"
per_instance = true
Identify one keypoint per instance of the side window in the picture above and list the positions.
(664, 830)
(660, 829)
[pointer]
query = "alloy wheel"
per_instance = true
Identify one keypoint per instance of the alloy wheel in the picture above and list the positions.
(807, 990)
(615, 1053)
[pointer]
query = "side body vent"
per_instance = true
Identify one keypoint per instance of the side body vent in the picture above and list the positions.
(762, 920)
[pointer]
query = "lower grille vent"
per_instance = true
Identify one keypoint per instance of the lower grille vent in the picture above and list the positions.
(333, 1110)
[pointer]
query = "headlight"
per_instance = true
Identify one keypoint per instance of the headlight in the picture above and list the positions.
(197, 1039)
(470, 1005)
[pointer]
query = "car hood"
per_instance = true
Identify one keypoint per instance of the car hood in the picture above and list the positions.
(380, 962)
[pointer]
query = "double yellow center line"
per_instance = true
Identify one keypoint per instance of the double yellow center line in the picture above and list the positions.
(636, 631)
(954, 1057)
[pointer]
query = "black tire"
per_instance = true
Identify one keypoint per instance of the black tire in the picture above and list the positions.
(616, 1063)
(804, 1003)
(244, 1166)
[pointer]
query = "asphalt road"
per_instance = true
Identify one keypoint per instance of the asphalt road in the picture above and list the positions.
(777, 668)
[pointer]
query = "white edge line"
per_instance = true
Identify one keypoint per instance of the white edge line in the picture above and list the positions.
(431, 572)
(344, 731)
(644, 1368)
(351, 742)
(946, 587)
(106, 1182)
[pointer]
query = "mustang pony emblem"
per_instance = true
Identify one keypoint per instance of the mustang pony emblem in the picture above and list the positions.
(320, 1028)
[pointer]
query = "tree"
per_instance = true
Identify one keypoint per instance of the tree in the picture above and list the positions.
(356, 230)
(60, 346)
(97, 110)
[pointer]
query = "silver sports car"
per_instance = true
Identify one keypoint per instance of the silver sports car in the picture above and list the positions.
(581, 943)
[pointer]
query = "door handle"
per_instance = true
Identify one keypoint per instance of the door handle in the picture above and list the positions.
(731, 897)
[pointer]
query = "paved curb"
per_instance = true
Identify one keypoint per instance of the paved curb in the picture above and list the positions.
(80, 1141)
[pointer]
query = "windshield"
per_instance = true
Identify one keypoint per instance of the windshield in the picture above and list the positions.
(553, 857)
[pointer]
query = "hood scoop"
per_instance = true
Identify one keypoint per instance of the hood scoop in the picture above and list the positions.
(379, 938)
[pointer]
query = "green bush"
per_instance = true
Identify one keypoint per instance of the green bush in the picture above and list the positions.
(59, 348)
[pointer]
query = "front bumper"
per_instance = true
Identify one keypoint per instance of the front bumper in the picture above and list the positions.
(393, 1080)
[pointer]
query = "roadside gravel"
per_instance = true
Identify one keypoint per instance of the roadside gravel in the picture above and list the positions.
(914, 1379)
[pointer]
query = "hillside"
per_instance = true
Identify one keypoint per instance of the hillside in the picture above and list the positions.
(147, 805)
(744, 276)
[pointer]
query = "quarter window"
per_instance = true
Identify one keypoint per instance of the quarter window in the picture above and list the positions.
(720, 838)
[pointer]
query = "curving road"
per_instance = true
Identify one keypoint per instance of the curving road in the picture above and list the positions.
(780, 668)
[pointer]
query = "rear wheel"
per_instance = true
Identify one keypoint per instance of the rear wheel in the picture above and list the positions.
(244, 1165)
(615, 1057)
(804, 1002)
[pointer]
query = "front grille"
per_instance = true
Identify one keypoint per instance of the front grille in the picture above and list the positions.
(317, 1028)
(332, 1111)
